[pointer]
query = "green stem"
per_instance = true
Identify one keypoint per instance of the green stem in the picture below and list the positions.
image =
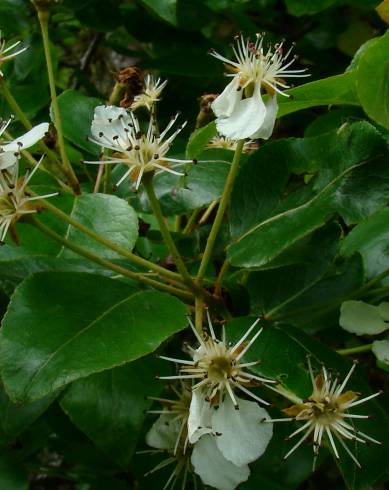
(117, 248)
(108, 264)
(154, 203)
(219, 280)
(43, 16)
(199, 309)
(355, 350)
(191, 221)
(220, 212)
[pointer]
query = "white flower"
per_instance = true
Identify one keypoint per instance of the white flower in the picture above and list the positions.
(10, 151)
(151, 93)
(218, 366)
(240, 111)
(8, 52)
(15, 202)
(325, 415)
(118, 130)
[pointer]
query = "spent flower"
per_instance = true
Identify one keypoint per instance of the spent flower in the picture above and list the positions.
(9, 52)
(118, 130)
(15, 201)
(325, 414)
(239, 109)
(151, 93)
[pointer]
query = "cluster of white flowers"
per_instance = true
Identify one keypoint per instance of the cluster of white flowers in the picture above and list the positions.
(15, 202)
(209, 424)
(210, 431)
(240, 111)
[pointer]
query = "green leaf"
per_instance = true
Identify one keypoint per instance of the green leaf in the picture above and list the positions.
(110, 217)
(336, 90)
(166, 9)
(110, 406)
(203, 184)
(373, 91)
(308, 7)
(370, 239)
(303, 267)
(199, 139)
(381, 350)
(60, 327)
(363, 319)
(12, 474)
(15, 418)
(77, 113)
(264, 222)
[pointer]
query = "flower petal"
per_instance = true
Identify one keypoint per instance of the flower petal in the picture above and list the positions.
(28, 139)
(224, 104)
(7, 159)
(110, 122)
(164, 432)
(246, 119)
(244, 436)
(266, 130)
(213, 468)
(200, 416)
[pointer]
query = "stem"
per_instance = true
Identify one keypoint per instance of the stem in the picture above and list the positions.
(191, 221)
(108, 264)
(220, 211)
(355, 350)
(208, 211)
(199, 309)
(117, 248)
(43, 16)
(219, 280)
(154, 203)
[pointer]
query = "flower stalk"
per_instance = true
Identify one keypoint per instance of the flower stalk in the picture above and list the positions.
(43, 17)
(225, 199)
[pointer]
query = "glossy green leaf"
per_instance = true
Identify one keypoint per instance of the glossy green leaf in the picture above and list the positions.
(373, 91)
(347, 163)
(199, 139)
(363, 319)
(166, 9)
(12, 474)
(110, 406)
(370, 239)
(336, 90)
(308, 7)
(110, 217)
(60, 327)
(77, 114)
(381, 350)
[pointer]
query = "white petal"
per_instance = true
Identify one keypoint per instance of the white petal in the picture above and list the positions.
(7, 160)
(266, 130)
(246, 120)
(224, 104)
(244, 437)
(164, 432)
(200, 416)
(106, 120)
(28, 139)
(213, 468)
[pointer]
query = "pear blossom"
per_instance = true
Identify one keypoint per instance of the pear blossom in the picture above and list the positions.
(118, 130)
(239, 109)
(15, 202)
(325, 414)
(9, 52)
(219, 453)
(225, 143)
(10, 151)
(151, 93)
(218, 366)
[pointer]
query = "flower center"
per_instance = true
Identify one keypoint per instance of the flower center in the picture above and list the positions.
(219, 368)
